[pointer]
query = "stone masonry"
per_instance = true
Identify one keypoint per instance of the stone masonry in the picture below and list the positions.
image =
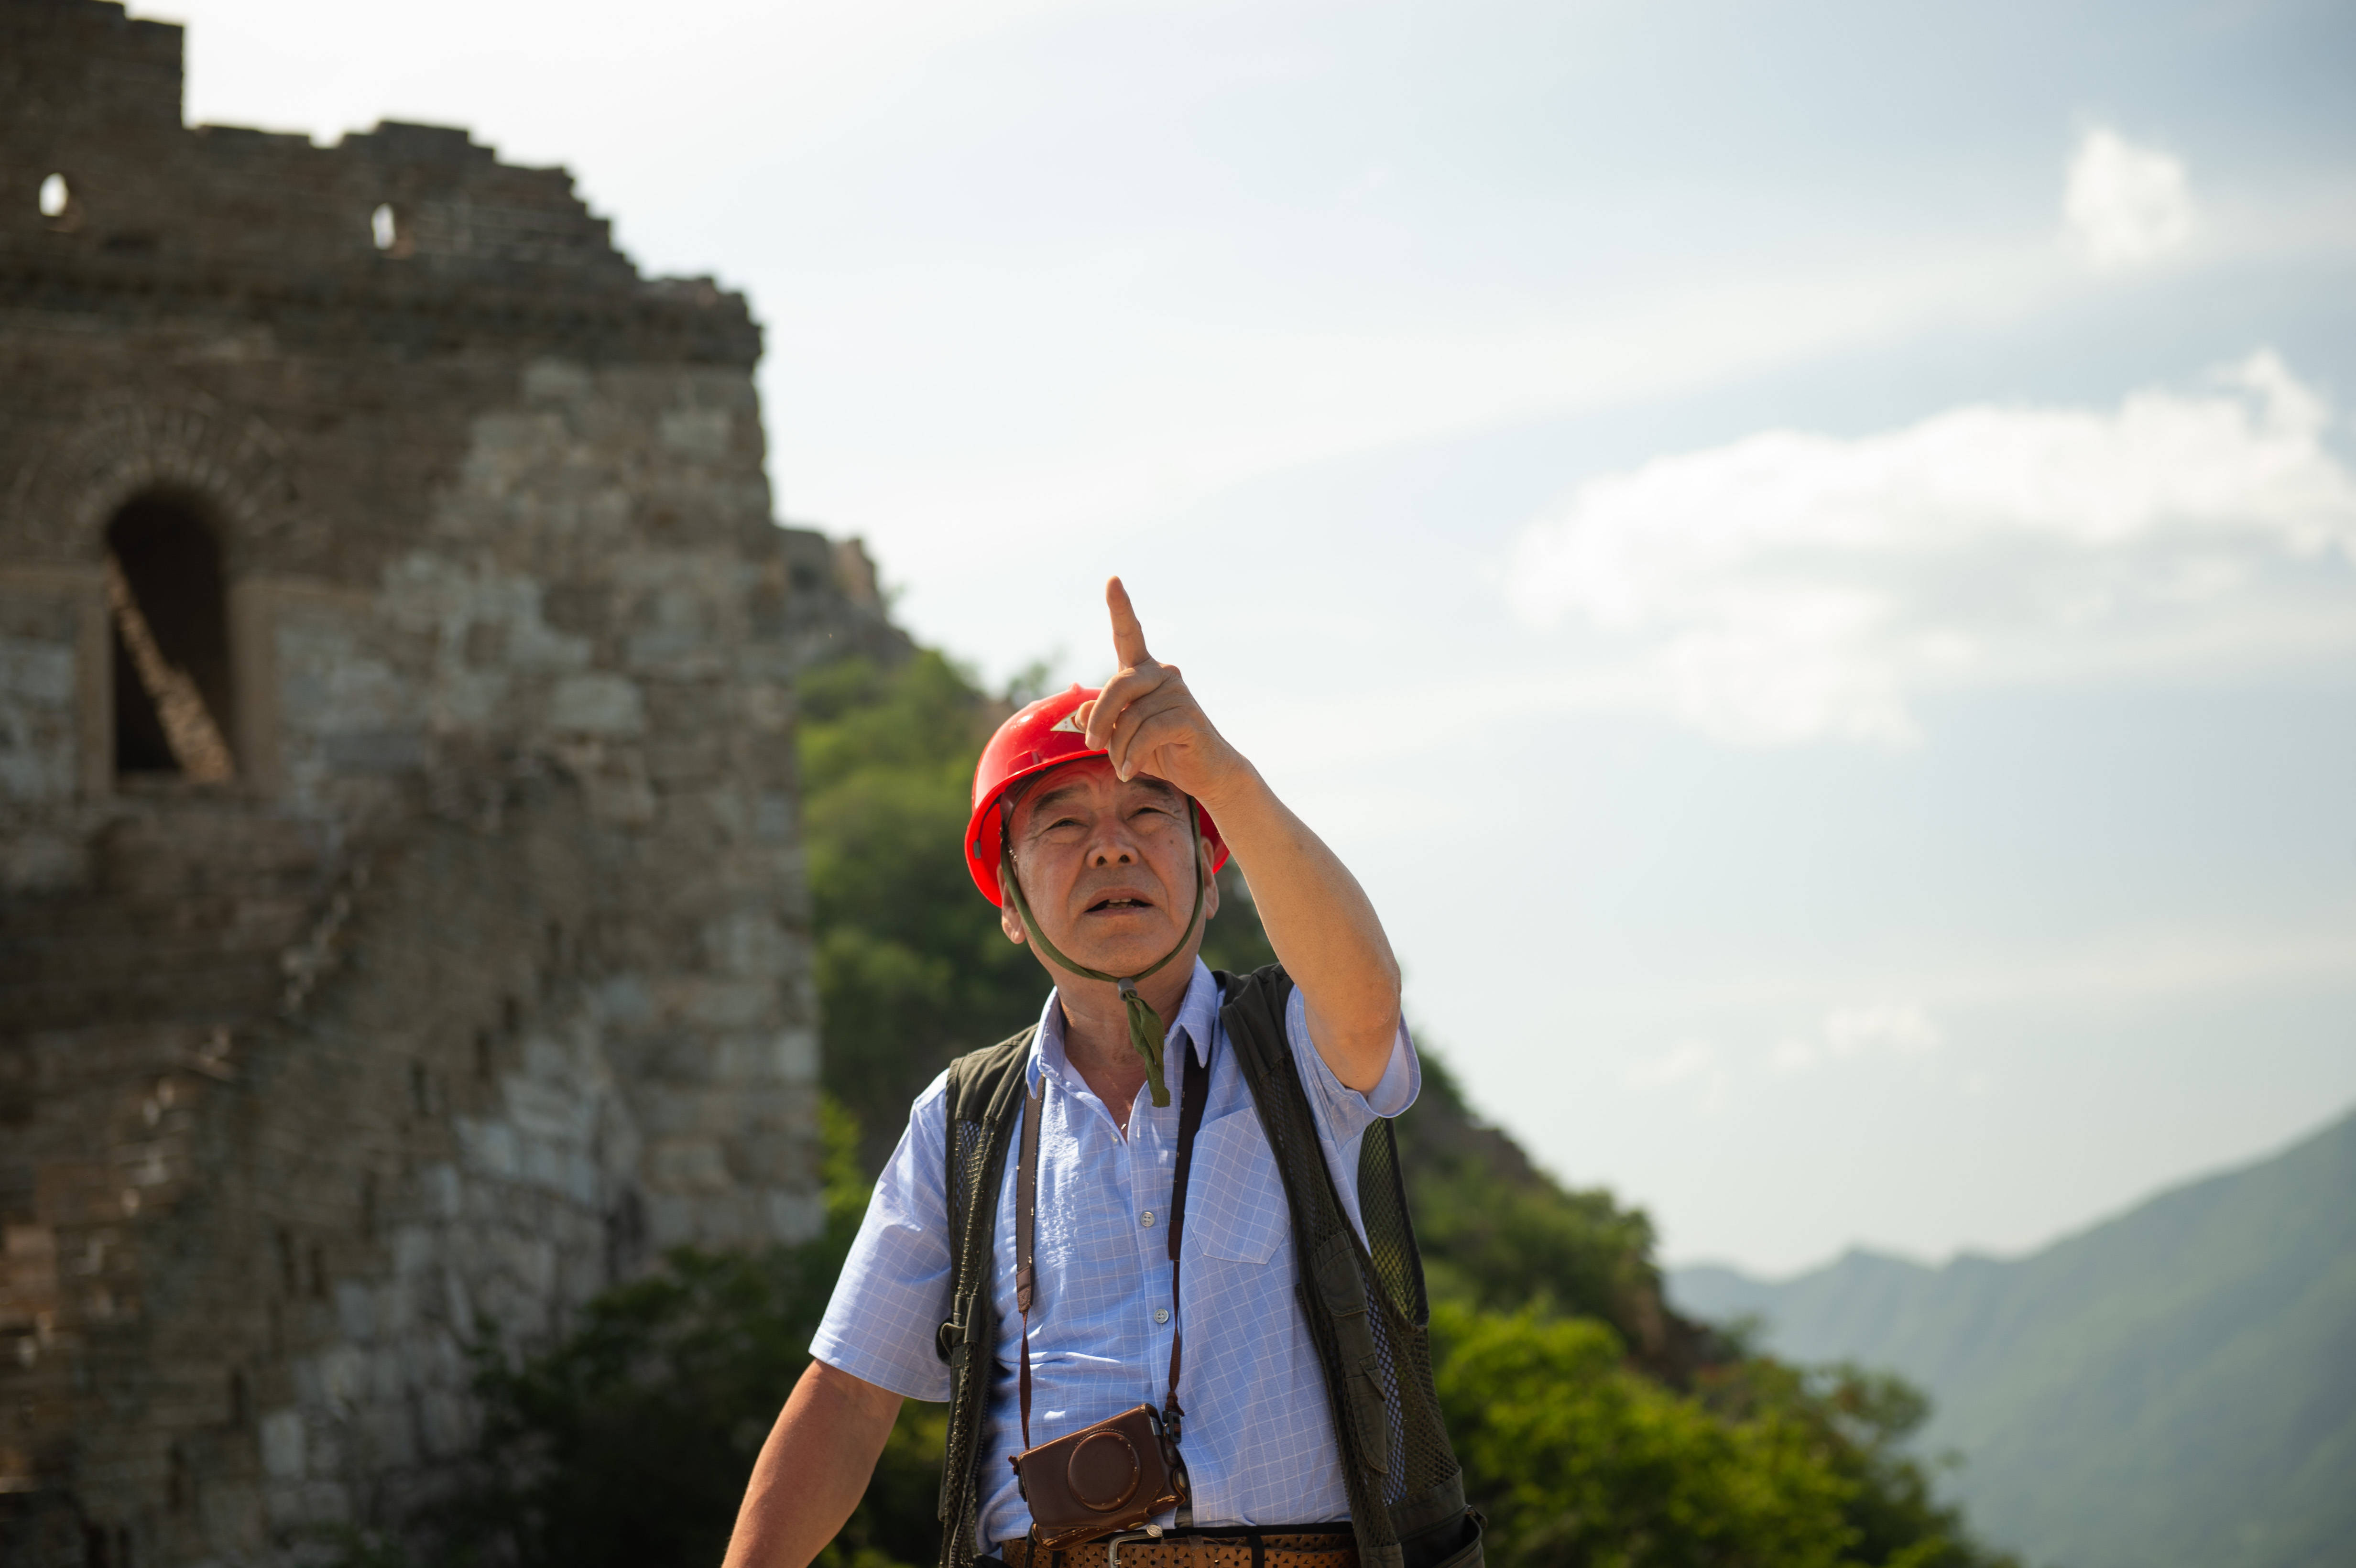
(485, 976)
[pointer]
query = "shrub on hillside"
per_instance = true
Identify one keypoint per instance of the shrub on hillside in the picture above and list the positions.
(1578, 1459)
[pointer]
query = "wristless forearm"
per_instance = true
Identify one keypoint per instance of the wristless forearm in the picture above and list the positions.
(812, 1470)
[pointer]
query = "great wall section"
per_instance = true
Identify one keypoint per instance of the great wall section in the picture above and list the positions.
(402, 919)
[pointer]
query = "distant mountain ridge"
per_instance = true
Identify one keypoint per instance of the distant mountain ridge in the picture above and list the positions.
(2175, 1387)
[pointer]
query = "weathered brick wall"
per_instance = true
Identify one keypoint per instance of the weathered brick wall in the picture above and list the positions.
(488, 975)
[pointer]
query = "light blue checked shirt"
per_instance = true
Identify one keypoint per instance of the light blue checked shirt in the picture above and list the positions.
(1260, 1441)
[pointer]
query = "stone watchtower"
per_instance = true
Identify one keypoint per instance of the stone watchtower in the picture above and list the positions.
(401, 923)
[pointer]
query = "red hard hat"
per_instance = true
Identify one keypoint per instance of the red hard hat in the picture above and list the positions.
(1042, 736)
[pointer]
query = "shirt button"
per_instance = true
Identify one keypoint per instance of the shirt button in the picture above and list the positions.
(1162, 1315)
(1147, 1219)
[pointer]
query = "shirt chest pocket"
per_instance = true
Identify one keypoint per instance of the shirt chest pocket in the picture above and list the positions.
(1235, 1199)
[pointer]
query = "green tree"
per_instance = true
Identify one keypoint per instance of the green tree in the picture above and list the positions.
(912, 968)
(1580, 1459)
(1863, 1418)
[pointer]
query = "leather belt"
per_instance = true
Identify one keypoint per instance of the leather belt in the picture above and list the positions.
(1171, 1549)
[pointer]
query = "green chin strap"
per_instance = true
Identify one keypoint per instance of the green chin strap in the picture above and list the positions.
(1145, 1032)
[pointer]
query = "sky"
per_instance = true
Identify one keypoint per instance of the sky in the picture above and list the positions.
(1806, 554)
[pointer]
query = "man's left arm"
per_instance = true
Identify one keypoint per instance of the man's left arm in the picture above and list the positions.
(1318, 918)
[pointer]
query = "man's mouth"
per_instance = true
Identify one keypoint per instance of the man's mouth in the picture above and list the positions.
(1119, 901)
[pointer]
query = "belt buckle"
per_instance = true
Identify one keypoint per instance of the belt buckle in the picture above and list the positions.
(1113, 1543)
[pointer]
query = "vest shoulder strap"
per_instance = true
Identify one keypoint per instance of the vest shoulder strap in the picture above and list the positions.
(984, 1098)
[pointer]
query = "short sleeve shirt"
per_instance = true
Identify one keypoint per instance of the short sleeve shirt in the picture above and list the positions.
(1258, 1442)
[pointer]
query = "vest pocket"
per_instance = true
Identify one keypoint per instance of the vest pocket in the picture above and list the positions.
(1235, 1201)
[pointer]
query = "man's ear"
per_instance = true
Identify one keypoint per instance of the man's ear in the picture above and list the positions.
(1009, 921)
(1210, 885)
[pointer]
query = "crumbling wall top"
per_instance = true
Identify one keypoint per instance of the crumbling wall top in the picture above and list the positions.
(109, 203)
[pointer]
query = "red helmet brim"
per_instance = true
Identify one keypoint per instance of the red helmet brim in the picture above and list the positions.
(1038, 740)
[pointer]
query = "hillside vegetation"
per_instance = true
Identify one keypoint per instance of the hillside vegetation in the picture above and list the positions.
(2175, 1387)
(1599, 1430)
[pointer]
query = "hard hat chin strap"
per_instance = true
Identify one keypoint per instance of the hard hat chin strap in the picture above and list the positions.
(1146, 1035)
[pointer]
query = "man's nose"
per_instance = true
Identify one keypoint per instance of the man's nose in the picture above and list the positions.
(1114, 845)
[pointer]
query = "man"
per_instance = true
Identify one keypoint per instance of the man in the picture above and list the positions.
(1098, 822)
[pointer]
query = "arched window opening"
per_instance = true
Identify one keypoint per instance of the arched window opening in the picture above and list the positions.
(170, 605)
(389, 227)
(60, 207)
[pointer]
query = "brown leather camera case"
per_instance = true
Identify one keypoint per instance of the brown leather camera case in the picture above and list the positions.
(1110, 1477)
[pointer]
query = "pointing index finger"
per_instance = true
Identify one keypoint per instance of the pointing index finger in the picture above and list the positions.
(1128, 637)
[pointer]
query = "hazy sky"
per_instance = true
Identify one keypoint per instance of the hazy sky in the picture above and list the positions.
(1805, 553)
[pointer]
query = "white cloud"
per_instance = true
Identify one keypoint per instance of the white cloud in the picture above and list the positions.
(1698, 1070)
(1681, 1063)
(1689, 1064)
(2122, 205)
(1792, 587)
(1882, 1029)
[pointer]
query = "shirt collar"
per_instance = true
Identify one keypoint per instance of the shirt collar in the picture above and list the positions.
(1198, 1019)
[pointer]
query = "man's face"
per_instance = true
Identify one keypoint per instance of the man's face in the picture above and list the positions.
(1109, 868)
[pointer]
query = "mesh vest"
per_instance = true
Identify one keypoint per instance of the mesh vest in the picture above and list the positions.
(1364, 1302)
